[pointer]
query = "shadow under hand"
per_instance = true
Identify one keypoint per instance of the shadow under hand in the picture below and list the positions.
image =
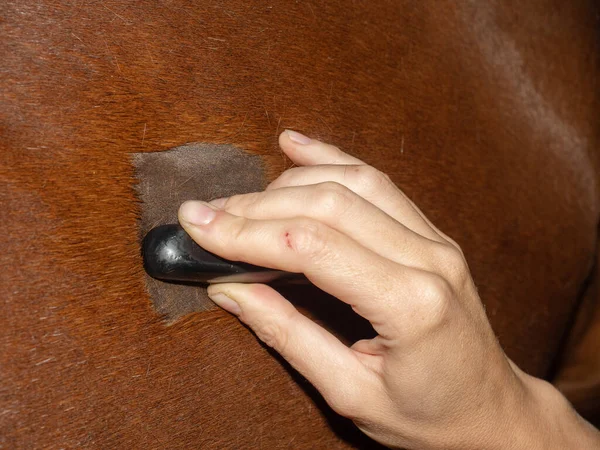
(329, 312)
(349, 327)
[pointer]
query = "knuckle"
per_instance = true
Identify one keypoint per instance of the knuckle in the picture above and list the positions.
(454, 244)
(272, 334)
(458, 249)
(230, 203)
(249, 204)
(451, 263)
(333, 199)
(355, 395)
(307, 239)
(370, 180)
(435, 297)
(451, 242)
(346, 403)
(240, 229)
(285, 177)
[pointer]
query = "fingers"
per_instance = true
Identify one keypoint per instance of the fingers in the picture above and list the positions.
(365, 180)
(329, 259)
(309, 152)
(368, 183)
(328, 163)
(341, 209)
(326, 362)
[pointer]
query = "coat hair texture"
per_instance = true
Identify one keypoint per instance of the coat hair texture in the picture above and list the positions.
(191, 172)
(484, 113)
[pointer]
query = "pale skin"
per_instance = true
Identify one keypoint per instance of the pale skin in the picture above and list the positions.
(435, 376)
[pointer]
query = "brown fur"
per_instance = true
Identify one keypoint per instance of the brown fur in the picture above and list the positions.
(190, 172)
(485, 113)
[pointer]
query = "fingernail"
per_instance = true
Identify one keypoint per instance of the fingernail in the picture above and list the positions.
(219, 202)
(196, 213)
(226, 303)
(298, 138)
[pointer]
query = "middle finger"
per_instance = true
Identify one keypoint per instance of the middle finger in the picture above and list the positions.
(341, 209)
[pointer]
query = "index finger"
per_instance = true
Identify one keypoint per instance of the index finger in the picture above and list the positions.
(332, 261)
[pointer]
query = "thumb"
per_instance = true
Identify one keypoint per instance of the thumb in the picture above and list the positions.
(319, 356)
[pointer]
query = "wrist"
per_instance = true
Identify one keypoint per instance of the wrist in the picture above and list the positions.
(544, 419)
(531, 414)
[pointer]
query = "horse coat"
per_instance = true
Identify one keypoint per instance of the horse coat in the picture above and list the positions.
(484, 113)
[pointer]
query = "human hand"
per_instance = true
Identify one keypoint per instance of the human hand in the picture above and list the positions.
(435, 375)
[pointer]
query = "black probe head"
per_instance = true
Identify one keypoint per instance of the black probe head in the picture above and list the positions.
(170, 254)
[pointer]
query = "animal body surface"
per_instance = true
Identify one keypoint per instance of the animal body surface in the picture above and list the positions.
(484, 113)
